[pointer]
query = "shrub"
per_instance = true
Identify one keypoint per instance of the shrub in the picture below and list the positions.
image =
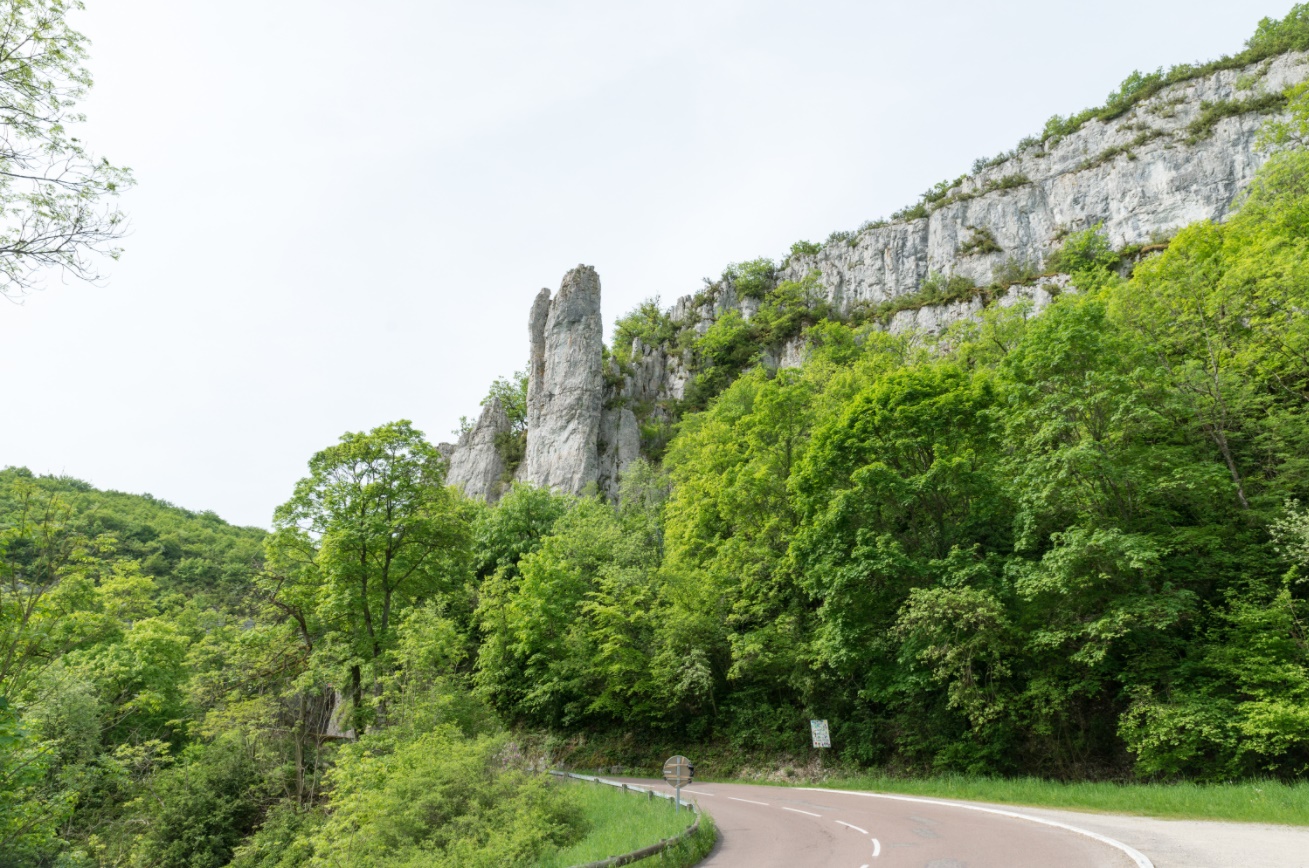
(752, 279)
(1084, 251)
(649, 322)
(1212, 112)
(913, 212)
(980, 243)
(805, 248)
(1012, 272)
(942, 189)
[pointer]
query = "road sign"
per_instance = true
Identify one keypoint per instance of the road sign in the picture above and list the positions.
(822, 738)
(678, 771)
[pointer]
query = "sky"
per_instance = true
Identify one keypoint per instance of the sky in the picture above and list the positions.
(343, 210)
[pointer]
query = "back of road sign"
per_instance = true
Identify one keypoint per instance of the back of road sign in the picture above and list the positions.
(678, 771)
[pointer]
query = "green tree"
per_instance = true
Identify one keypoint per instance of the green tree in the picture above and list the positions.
(58, 200)
(374, 530)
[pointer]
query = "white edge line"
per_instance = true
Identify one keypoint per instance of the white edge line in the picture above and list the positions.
(1141, 860)
(852, 826)
(877, 848)
(798, 811)
(748, 801)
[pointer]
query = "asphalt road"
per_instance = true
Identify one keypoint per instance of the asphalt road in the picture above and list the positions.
(763, 826)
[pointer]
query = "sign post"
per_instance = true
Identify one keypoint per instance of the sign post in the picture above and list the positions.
(678, 771)
(822, 737)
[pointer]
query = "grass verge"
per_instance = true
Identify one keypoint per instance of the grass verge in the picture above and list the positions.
(1248, 802)
(619, 822)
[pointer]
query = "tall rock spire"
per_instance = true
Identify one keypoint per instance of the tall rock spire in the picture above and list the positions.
(565, 385)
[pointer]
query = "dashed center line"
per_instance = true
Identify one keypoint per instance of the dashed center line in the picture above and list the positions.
(798, 811)
(748, 801)
(877, 848)
(696, 792)
(852, 826)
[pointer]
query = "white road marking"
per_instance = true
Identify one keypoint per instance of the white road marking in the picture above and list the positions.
(1139, 858)
(696, 792)
(749, 801)
(798, 811)
(877, 848)
(852, 826)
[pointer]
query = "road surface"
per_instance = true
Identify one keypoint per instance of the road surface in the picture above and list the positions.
(763, 826)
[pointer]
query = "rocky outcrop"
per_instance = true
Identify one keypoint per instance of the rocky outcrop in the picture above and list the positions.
(1142, 177)
(476, 465)
(565, 386)
(620, 445)
(1181, 156)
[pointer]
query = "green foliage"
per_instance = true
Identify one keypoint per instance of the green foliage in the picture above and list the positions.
(804, 248)
(1294, 130)
(1053, 551)
(511, 392)
(649, 323)
(751, 279)
(440, 800)
(913, 212)
(943, 189)
(1271, 37)
(200, 808)
(369, 532)
(1213, 112)
(1087, 256)
(59, 200)
(980, 242)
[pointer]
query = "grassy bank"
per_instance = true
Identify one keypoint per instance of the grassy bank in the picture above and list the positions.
(1250, 802)
(620, 822)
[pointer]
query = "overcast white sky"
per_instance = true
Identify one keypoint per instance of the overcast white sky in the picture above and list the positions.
(345, 209)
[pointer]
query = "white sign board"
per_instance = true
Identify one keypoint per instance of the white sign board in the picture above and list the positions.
(822, 738)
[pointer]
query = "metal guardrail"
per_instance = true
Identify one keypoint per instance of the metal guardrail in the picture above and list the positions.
(644, 852)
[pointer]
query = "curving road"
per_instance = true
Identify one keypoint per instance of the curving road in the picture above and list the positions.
(764, 826)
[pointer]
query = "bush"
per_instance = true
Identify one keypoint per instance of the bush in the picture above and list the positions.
(1084, 252)
(752, 279)
(201, 808)
(980, 243)
(440, 800)
(913, 212)
(648, 322)
(805, 248)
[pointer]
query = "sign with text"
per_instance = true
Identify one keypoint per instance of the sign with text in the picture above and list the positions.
(822, 738)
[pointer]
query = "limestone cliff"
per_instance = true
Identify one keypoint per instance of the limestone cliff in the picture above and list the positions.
(476, 464)
(1180, 156)
(565, 386)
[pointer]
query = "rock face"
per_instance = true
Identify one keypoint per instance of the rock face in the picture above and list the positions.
(620, 445)
(566, 386)
(476, 465)
(1140, 178)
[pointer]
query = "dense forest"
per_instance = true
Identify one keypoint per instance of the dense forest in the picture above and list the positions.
(1074, 545)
